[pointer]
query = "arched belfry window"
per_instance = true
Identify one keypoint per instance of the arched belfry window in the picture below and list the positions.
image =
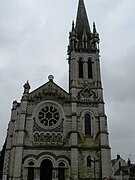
(90, 69)
(87, 124)
(61, 171)
(30, 171)
(80, 68)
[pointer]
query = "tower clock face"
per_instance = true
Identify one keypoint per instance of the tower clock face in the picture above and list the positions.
(48, 116)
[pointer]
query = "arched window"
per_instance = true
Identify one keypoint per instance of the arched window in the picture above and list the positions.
(80, 68)
(89, 161)
(90, 69)
(30, 171)
(61, 171)
(87, 124)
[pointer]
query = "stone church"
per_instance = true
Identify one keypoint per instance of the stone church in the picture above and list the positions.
(58, 135)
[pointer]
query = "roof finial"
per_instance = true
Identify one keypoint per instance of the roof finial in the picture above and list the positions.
(51, 78)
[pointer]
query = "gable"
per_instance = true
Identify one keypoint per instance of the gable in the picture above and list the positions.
(49, 91)
(87, 95)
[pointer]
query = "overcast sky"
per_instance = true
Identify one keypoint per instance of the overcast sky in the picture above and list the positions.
(33, 44)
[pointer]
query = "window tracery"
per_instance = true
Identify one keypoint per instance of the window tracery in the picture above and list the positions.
(48, 116)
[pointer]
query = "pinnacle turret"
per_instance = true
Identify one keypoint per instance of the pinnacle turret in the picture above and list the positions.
(95, 34)
(73, 26)
(94, 28)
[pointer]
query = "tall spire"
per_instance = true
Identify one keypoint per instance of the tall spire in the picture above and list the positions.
(81, 38)
(82, 23)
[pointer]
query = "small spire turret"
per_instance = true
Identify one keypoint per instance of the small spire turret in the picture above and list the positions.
(73, 26)
(95, 34)
(94, 28)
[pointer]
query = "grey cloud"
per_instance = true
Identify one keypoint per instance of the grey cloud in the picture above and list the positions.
(33, 44)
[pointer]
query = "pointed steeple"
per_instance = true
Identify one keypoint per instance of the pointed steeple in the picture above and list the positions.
(82, 23)
(81, 38)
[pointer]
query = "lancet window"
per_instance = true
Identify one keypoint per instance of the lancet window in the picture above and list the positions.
(87, 124)
(80, 68)
(90, 69)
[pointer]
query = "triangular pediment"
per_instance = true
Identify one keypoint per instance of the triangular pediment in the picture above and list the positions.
(49, 91)
(87, 94)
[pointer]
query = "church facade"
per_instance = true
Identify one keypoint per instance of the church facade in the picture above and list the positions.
(59, 135)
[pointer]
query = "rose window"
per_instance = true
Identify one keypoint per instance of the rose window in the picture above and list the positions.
(48, 116)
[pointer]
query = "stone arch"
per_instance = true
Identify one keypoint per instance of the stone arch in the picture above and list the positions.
(46, 169)
(63, 166)
(46, 155)
(63, 159)
(29, 158)
(29, 164)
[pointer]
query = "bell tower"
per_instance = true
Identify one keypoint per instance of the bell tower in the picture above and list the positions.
(89, 122)
(83, 51)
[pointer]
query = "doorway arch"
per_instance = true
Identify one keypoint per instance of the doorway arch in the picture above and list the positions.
(46, 170)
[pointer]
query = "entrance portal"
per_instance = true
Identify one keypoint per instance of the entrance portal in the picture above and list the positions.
(46, 170)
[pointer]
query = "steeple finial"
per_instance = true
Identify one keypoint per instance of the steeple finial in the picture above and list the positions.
(82, 23)
(81, 38)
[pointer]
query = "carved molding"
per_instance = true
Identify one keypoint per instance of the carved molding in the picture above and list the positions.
(48, 138)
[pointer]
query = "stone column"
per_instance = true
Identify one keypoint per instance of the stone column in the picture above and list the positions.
(37, 173)
(20, 137)
(105, 149)
(74, 143)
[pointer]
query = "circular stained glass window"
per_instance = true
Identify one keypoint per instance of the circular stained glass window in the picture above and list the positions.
(48, 116)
